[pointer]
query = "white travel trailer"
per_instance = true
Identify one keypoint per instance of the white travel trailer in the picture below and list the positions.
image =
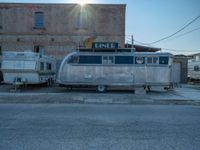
(28, 68)
(104, 69)
(194, 68)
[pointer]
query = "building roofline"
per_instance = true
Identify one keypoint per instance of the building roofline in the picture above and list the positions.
(150, 47)
(146, 48)
(194, 54)
(6, 3)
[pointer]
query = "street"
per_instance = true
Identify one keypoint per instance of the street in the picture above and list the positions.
(99, 126)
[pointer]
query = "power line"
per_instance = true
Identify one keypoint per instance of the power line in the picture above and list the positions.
(143, 43)
(130, 39)
(164, 38)
(187, 32)
(169, 49)
(198, 28)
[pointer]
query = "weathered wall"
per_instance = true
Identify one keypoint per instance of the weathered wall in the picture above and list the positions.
(63, 29)
(184, 68)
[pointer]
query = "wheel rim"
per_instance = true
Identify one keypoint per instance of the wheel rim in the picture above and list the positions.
(101, 88)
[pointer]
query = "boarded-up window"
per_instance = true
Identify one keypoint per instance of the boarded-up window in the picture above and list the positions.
(39, 20)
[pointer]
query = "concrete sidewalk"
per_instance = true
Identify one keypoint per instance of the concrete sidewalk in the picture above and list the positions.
(187, 95)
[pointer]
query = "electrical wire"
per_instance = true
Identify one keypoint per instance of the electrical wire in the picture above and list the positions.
(188, 24)
(198, 28)
(168, 49)
(178, 50)
(187, 32)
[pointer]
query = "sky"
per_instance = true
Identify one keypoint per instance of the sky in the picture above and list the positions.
(151, 20)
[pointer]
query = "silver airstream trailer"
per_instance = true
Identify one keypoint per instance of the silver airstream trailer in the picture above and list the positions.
(103, 69)
(28, 68)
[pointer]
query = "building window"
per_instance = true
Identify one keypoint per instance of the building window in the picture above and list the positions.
(39, 20)
(39, 49)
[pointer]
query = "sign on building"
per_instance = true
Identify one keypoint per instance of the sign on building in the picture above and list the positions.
(105, 45)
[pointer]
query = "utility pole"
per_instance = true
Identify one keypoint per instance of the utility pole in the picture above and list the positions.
(132, 42)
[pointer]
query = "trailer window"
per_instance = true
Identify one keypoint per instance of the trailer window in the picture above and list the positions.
(155, 60)
(123, 59)
(90, 60)
(196, 68)
(41, 66)
(149, 60)
(152, 60)
(15, 64)
(49, 66)
(163, 60)
(39, 49)
(108, 59)
(139, 60)
(73, 59)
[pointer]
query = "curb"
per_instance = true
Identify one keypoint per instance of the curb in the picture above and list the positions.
(84, 98)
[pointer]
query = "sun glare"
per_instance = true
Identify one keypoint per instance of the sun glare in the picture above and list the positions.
(83, 2)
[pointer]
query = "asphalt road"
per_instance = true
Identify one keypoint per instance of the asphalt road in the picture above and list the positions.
(91, 127)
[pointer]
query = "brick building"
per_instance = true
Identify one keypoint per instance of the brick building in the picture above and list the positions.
(57, 29)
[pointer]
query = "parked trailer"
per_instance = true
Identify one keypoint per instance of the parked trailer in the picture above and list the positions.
(104, 69)
(194, 70)
(28, 68)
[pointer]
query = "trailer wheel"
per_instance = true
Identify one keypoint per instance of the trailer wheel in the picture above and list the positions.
(101, 88)
(149, 88)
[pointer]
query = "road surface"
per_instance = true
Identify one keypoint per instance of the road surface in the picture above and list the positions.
(99, 127)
